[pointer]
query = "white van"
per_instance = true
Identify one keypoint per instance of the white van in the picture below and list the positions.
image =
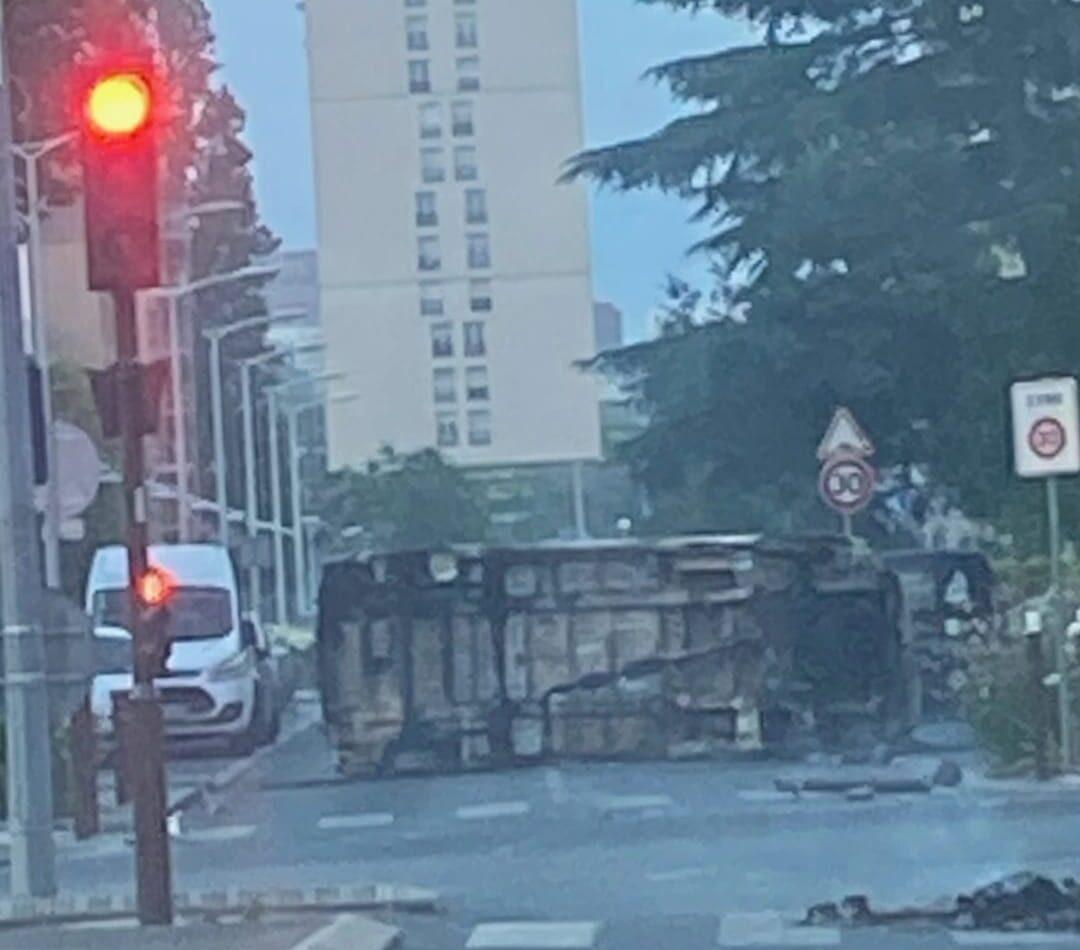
(210, 689)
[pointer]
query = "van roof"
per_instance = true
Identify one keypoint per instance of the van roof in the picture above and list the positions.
(197, 565)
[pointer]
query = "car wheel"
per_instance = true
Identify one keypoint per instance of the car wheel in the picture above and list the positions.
(247, 741)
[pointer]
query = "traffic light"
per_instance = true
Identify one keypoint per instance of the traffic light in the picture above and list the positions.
(154, 590)
(120, 159)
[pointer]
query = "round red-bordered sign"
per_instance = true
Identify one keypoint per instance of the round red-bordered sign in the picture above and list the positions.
(847, 484)
(1047, 438)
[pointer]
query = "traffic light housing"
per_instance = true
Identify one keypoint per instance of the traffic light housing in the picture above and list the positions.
(120, 177)
(154, 590)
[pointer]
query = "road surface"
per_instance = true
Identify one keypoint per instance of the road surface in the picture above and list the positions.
(644, 855)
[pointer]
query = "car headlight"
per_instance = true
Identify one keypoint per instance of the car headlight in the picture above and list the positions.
(235, 667)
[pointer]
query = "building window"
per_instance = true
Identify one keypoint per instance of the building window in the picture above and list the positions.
(416, 35)
(431, 165)
(479, 251)
(474, 339)
(480, 300)
(476, 206)
(419, 76)
(465, 31)
(462, 119)
(445, 386)
(429, 255)
(442, 339)
(430, 120)
(446, 425)
(431, 299)
(476, 384)
(465, 163)
(468, 69)
(427, 212)
(479, 427)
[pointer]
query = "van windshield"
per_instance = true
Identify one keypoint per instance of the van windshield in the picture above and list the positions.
(195, 613)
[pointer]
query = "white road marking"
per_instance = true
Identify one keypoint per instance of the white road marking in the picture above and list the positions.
(371, 819)
(764, 795)
(679, 874)
(993, 938)
(556, 786)
(639, 803)
(768, 928)
(227, 833)
(492, 810)
(567, 935)
(351, 932)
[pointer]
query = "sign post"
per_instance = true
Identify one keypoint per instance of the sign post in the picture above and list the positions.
(1046, 444)
(847, 480)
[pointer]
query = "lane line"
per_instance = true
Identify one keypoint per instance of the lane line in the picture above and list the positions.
(647, 803)
(371, 819)
(993, 938)
(679, 874)
(492, 810)
(352, 932)
(210, 835)
(768, 928)
(566, 935)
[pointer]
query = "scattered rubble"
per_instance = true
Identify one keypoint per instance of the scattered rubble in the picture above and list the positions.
(1019, 902)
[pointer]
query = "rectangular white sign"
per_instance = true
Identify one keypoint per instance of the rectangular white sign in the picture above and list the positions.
(1046, 427)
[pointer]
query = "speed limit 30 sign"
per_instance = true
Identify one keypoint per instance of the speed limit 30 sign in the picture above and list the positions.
(1046, 427)
(846, 484)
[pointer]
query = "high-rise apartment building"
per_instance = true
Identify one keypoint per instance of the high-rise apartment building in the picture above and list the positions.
(454, 267)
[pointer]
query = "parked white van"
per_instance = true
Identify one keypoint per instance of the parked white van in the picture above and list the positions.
(211, 689)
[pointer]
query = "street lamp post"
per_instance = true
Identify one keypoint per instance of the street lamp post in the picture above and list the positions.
(292, 415)
(276, 500)
(215, 337)
(251, 501)
(31, 153)
(173, 296)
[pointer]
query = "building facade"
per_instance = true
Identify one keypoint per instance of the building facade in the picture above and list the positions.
(454, 267)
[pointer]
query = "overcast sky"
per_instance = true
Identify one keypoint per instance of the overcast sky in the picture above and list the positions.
(637, 239)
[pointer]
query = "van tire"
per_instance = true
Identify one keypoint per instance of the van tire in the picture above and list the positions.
(246, 742)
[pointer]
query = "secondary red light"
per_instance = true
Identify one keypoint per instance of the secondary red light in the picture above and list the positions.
(154, 588)
(119, 105)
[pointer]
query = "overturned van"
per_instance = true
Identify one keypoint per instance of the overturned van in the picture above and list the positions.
(469, 656)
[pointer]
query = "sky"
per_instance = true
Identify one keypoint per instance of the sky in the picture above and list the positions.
(637, 239)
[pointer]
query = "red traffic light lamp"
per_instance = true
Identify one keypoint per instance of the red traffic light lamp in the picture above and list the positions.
(118, 116)
(154, 587)
(119, 104)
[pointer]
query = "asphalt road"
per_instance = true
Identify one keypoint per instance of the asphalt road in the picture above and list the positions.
(655, 856)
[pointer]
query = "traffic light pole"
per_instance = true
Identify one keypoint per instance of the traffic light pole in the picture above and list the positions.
(29, 778)
(144, 731)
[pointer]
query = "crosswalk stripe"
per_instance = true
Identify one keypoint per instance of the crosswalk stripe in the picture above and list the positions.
(532, 935)
(492, 810)
(373, 819)
(768, 928)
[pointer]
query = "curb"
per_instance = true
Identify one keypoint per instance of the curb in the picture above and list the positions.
(79, 908)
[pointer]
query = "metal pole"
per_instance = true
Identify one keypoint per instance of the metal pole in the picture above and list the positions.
(218, 414)
(299, 570)
(251, 500)
(846, 526)
(51, 521)
(578, 478)
(1057, 626)
(29, 779)
(183, 499)
(280, 604)
(144, 731)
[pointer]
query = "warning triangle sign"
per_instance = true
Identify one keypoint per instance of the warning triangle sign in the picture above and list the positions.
(844, 435)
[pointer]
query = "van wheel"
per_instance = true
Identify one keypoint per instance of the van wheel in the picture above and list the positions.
(247, 741)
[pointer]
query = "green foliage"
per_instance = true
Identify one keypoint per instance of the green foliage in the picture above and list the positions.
(405, 501)
(891, 189)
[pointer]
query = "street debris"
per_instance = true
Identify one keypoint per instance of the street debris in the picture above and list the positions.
(1024, 901)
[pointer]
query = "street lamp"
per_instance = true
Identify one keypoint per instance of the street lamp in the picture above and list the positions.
(215, 336)
(272, 393)
(292, 413)
(172, 296)
(31, 153)
(251, 501)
